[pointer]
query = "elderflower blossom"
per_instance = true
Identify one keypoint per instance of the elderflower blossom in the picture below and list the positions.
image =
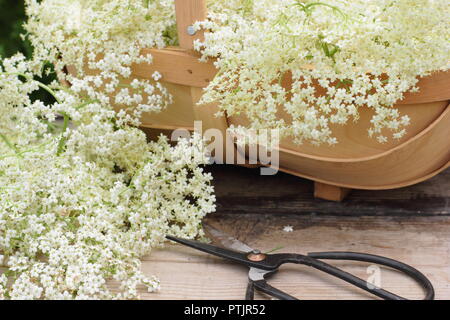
(102, 40)
(82, 203)
(318, 63)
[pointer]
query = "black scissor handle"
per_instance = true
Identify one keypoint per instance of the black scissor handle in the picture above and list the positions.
(411, 272)
(312, 260)
(263, 286)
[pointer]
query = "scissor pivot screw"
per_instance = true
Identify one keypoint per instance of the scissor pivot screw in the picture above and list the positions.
(256, 256)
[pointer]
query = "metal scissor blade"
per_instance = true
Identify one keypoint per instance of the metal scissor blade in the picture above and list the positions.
(217, 251)
(226, 240)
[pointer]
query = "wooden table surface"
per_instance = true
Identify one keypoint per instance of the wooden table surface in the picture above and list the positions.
(410, 224)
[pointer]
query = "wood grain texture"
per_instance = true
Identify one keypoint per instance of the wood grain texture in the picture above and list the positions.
(433, 88)
(177, 115)
(181, 65)
(242, 190)
(401, 166)
(188, 12)
(213, 125)
(176, 66)
(354, 142)
(420, 157)
(358, 162)
(410, 224)
(329, 192)
(188, 274)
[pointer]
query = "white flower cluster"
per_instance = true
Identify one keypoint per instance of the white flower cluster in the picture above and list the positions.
(303, 66)
(102, 39)
(80, 204)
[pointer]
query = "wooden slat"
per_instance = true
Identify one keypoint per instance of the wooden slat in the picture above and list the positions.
(329, 192)
(425, 154)
(181, 66)
(433, 88)
(241, 190)
(207, 115)
(188, 12)
(410, 224)
(362, 166)
(354, 141)
(177, 66)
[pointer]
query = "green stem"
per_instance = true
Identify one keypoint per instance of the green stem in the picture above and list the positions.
(38, 148)
(10, 145)
(65, 89)
(48, 89)
(307, 7)
(84, 104)
(51, 126)
(40, 84)
(21, 153)
(63, 139)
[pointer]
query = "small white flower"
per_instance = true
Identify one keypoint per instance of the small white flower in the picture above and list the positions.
(93, 198)
(156, 76)
(255, 44)
(97, 197)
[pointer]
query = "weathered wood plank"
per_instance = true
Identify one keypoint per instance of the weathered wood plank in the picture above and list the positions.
(411, 225)
(423, 242)
(243, 190)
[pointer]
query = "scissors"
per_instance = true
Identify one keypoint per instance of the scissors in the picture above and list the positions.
(263, 265)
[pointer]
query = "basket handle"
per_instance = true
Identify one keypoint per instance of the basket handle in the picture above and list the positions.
(188, 12)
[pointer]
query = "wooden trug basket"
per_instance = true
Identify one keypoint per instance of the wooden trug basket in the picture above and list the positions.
(356, 162)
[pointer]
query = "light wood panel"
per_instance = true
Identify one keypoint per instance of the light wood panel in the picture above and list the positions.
(425, 154)
(433, 88)
(330, 192)
(177, 115)
(176, 66)
(188, 12)
(411, 224)
(353, 139)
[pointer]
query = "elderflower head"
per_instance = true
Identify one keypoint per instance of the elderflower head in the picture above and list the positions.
(320, 62)
(81, 204)
(3, 284)
(102, 40)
